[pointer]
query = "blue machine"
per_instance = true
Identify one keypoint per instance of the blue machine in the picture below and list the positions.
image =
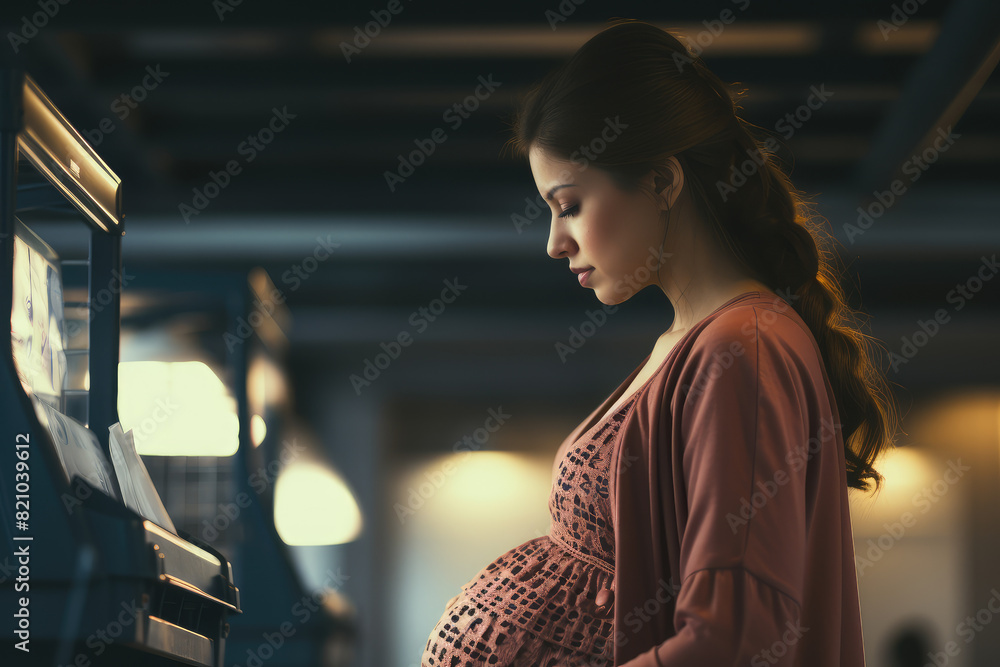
(84, 580)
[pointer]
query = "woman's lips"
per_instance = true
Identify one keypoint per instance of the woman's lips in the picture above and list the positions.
(582, 277)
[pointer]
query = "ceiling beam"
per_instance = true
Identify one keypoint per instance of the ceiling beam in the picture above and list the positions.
(937, 92)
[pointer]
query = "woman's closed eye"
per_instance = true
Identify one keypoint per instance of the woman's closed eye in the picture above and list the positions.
(569, 213)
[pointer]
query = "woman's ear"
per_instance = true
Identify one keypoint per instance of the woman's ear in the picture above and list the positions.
(668, 181)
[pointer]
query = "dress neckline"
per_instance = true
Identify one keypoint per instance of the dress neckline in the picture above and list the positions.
(620, 390)
(607, 417)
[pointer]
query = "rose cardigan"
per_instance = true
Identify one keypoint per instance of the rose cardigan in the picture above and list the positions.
(733, 542)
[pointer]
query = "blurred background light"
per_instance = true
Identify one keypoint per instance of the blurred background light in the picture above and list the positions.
(258, 430)
(313, 506)
(177, 408)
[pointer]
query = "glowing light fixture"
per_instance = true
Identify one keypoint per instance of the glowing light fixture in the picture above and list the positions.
(178, 408)
(258, 430)
(313, 505)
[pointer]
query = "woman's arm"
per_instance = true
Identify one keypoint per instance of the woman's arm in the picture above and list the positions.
(742, 426)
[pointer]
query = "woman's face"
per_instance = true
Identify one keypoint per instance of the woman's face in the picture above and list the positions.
(598, 226)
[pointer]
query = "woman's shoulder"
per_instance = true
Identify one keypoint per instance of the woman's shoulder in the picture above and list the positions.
(734, 347)
(767, 315)
(739, 340)
(764, 322)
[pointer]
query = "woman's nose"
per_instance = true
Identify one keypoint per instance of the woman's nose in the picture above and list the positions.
(559, 243)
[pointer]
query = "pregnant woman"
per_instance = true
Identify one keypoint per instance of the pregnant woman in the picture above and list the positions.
(700, 514)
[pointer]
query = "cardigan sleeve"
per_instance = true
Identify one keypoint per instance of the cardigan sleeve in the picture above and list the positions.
(739, 428)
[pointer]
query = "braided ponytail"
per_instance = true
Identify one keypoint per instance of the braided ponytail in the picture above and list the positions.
(675, 106)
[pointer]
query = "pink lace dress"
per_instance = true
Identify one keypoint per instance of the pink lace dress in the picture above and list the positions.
(538, 603)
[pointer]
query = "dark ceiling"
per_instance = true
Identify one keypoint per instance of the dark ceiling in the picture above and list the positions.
(223, 72)
(897, 72)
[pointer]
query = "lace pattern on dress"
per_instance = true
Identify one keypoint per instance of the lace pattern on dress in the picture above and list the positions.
(549, 584)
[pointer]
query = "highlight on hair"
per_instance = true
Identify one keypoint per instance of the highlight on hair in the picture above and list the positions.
(646, 78)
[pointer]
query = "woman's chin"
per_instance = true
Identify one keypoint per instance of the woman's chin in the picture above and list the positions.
(606, 299)
(612, 297)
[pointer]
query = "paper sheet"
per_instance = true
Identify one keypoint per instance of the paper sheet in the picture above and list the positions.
(78, 448)
(138, 492)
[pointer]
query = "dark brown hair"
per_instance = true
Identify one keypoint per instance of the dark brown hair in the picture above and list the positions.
(645, 78)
